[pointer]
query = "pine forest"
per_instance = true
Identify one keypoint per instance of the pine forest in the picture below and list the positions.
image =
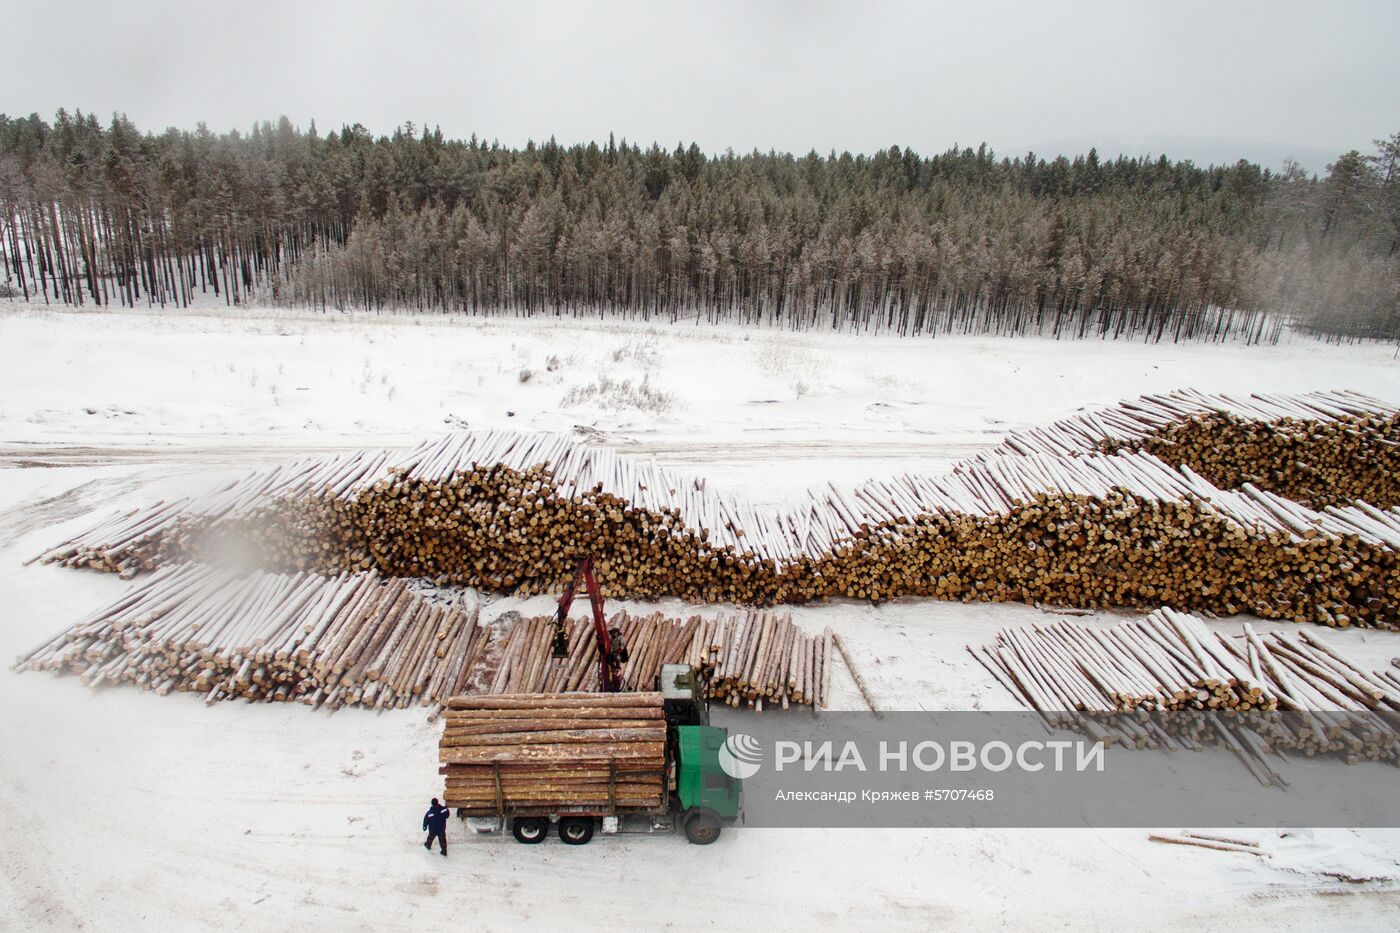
(967, 241)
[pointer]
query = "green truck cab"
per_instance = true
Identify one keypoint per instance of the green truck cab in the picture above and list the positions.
(708, 797)
(705, 796)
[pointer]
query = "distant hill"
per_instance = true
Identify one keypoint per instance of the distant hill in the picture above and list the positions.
(1203, 150)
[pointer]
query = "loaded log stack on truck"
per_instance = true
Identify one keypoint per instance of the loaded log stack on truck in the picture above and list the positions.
(589, 761)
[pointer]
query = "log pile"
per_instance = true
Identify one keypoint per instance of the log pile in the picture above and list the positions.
(515, 512)
(1319, 449)
(653, 640)
(1167, 660)
(751, 659)
(554, 752)
(1217, 688)
(1121, 530)
(366, 640)
(351, 640)
(759, 657)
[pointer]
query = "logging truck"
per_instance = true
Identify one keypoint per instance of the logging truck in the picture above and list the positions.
(587, 762)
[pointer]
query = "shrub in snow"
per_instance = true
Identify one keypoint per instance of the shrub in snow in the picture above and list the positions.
(619, 394)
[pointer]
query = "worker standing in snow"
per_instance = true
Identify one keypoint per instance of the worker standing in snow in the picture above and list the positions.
(435, 822)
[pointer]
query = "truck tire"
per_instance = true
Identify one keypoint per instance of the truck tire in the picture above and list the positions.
(530, 830)
(576, 830)
(702, 829)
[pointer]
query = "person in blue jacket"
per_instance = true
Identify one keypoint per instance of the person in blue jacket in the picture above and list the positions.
(435, 822)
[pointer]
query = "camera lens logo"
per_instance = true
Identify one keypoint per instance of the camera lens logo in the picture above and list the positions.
(741, 756)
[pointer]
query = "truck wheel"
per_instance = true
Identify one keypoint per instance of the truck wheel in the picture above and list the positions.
(530, 830)
(576, 830)
(702, 829)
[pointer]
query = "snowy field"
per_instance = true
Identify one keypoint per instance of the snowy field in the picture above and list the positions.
(120, 808)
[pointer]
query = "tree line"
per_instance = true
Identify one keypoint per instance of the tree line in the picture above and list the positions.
(894, 242)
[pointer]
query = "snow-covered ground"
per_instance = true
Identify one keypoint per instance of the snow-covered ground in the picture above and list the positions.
(120, 808)
(768, 411)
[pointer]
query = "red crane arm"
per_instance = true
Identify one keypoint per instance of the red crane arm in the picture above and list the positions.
(612, 653)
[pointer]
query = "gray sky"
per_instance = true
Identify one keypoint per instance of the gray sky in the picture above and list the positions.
(785, 75)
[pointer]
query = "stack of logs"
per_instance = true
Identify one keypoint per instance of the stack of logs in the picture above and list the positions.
(365, 640)
(1167, 660)
(554, 752)
(1211, 688)
(758, 657)
(1124, 530)
(750, 659)
(516, 512)
(350, 640)
(1319, 449)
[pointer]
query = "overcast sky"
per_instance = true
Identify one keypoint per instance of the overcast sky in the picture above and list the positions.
(786, 75)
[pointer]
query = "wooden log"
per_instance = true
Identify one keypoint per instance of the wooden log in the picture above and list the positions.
(855, 674)
(1207, 844)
